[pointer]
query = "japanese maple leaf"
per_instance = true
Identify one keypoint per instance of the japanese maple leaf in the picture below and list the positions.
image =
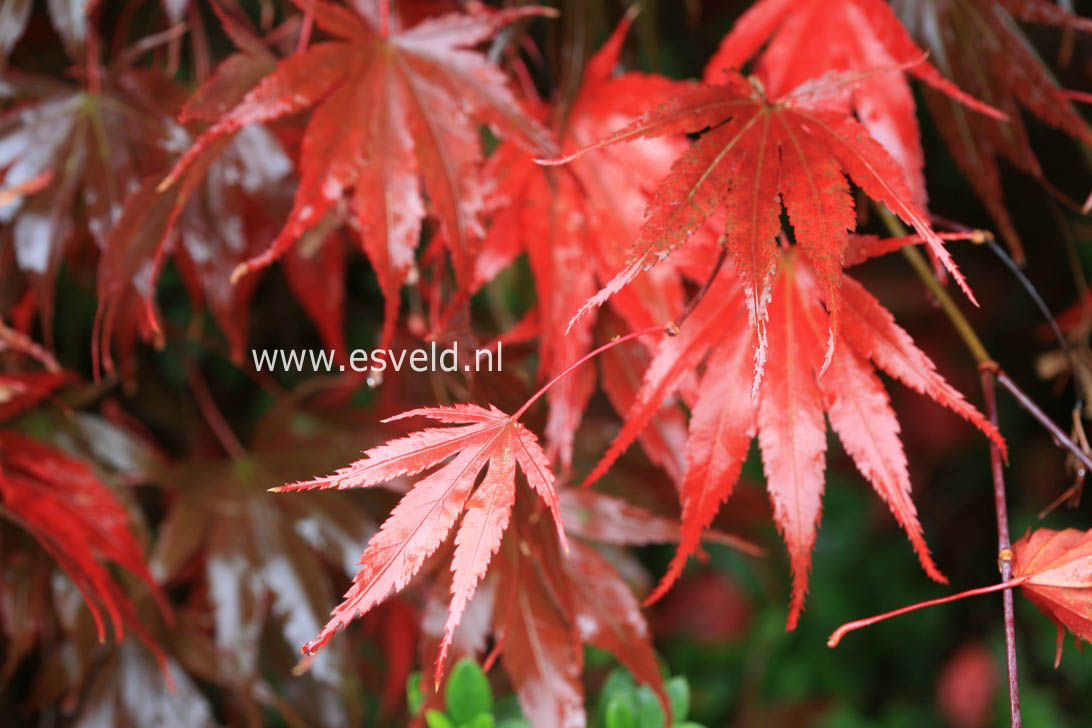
(215, 219)
(483, 439)
(393, 107)
(575, 224)
(757, 155)
(1053, 570)
(548, 603)
(787, 415)
(96, 146)
(807, 39)
(979, 45)
(588, 601)
(81, 524)
(223, 536)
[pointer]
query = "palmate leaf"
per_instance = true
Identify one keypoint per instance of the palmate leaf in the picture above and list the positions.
(756, 155)
(978, 44)
(807, 39)
(483, 439)
(390, 112)
(81, 524)
(548, 603)
(788, 412)
(576, 223)
(95, 148)
(1055, 569)
(541, 604)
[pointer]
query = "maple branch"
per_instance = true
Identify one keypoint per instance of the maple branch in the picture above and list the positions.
(848, 627)
(615, 341)
(989, 372)
(1060, 438)
(974, 344)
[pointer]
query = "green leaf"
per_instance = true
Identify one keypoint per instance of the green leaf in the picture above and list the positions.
(414, 695)
(483, 720)
(467, 694)
(678, 692)
(650, 714)
(514, 723)
(620, 713)
(436, 719)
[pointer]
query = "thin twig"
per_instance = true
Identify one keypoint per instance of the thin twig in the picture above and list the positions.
(951, 310)
(974, 344)
(988, 373)
(1060, 438)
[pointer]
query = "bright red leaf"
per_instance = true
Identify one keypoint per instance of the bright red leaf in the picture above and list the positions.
(485, 438)
(392, 107)
(757, 155)
(807, 39)
(577, 222)
(1054, 569)
(81, 524)
(787, 414)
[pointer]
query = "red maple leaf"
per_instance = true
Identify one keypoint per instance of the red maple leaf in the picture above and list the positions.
(787, 413)
(758, 154)
(1052, 568)
(94, 147)
(807, 39)
(419, 524)
(393, 106)
(982, 48)
(575, 223)
(80, 523)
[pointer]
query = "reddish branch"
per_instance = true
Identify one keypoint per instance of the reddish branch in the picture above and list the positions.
(989, 372)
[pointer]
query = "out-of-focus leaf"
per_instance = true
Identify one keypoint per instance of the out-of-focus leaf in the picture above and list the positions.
(79, 521)
(127, 692)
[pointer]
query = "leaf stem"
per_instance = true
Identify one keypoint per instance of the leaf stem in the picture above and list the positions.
(848, 627)
(591, 354)
(213, 416)
(676, 324)
(989, 373)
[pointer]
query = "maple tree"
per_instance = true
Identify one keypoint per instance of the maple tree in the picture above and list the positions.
(187, 183)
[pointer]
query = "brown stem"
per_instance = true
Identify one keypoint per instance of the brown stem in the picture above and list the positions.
(989, 372)
(1060, 438)
(673, 328)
